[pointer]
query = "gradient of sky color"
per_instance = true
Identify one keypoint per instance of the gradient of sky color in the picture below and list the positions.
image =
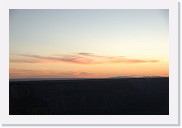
(88, 43)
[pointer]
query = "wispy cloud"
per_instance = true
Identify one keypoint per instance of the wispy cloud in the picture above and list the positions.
(79, 58)
(53, 59)
(97, 56)
(118, 59)
(24, 61)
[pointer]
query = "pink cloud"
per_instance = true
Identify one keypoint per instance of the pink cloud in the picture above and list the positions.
(79, 58)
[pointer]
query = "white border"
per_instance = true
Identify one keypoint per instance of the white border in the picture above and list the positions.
(171, 119)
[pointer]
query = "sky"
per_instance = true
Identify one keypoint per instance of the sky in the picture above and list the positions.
(88, 43)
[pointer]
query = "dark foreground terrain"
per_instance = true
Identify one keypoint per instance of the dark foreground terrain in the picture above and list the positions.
(129, 96)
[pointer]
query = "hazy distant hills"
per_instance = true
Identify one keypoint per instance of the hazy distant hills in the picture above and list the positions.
(42, 79)
(137, 77)
(115, 77)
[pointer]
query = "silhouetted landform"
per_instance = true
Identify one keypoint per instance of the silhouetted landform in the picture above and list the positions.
(115, 77)
(127, 96)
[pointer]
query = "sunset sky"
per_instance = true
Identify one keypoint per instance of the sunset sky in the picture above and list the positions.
(88, 43)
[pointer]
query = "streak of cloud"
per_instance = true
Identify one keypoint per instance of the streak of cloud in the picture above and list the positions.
(79, 58)
(95, 56)
(24, 61)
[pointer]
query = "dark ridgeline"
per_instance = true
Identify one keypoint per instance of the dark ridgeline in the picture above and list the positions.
(127, 96)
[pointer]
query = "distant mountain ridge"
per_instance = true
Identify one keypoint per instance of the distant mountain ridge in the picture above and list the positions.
(138, 76)
(116, 77)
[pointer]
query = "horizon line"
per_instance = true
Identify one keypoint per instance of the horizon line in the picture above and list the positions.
(117, 77)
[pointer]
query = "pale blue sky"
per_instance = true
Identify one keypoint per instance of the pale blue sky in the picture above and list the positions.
(108, 32)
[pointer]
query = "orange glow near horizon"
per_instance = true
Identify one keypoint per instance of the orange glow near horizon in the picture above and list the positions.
(55, 69)
(88, 43)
